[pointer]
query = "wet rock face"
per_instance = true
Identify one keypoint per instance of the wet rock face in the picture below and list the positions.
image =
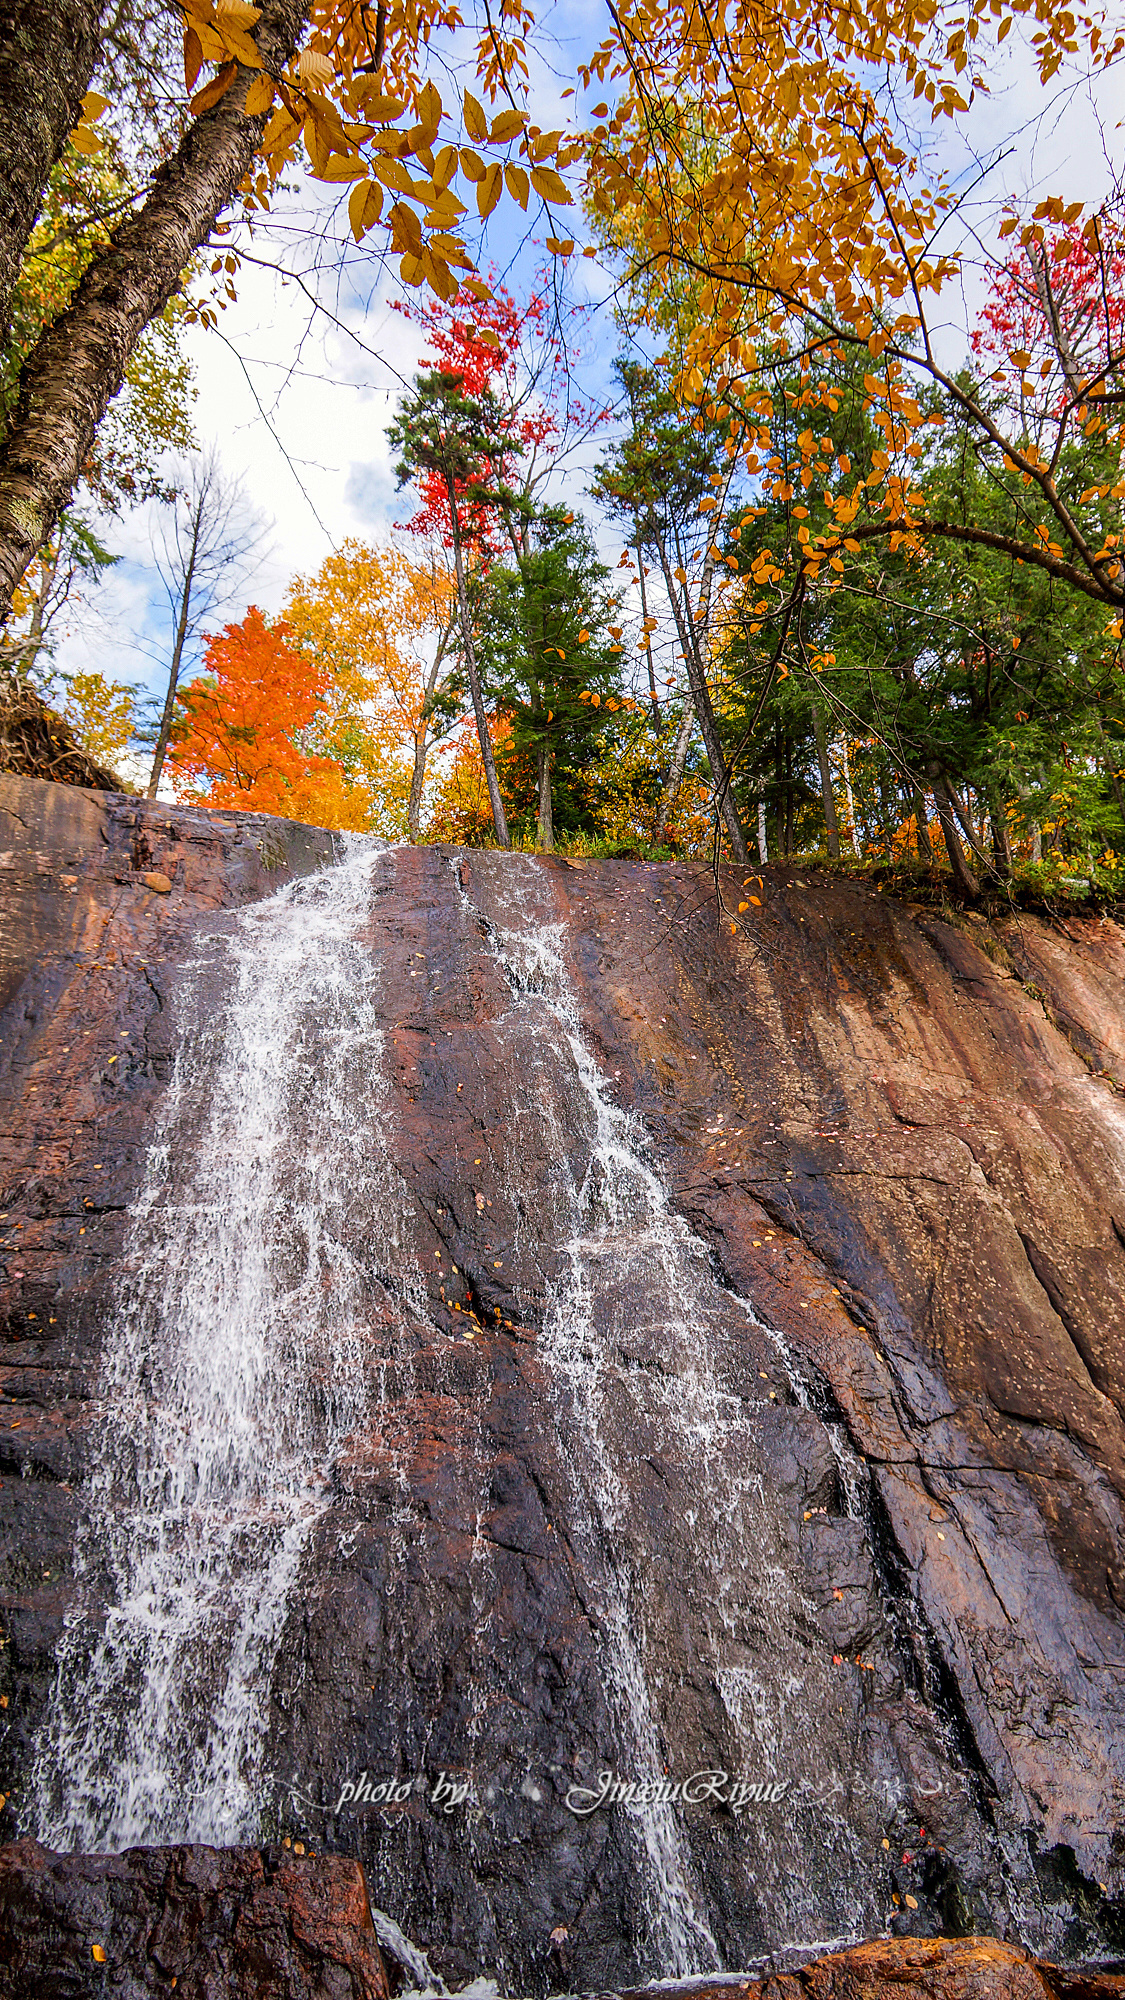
(744, 1396)
(208, 1924)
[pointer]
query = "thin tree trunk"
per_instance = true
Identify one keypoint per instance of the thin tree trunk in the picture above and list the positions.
(675, 776)
(644, 615)
(546, 829)
(422, 732)
(499, 819)
(165, 732)
(1112, 772)
(1001, 844)
(856, 850)
(962, 873)
(925, 845)
(705, 716)
(78, 364)
(966, 822)
(831, 824)
(790, 799)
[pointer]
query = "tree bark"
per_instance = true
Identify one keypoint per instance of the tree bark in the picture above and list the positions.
(962, 873)
(1001, 844)
(644, 614)
(675, 777)
(546, 832)
(422, 732)
(79, 362)
(832, 825)
(47, 57)
(763, 848)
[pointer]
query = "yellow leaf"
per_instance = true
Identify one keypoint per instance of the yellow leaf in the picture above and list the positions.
(365, 205)
(475, 119)
(445, 166)
(757, 901)
(314, 69)
(561, 246)
(550, 185)
(583, 636)
(505, 126)
(259, 97)
(87, 142)
(406, 232)
(93, 106)
(490, 188)
(452, 248)
(517, 183)
(472, 166)
(413, 270)
(428, 107)
(343, 167)
(743, 906)
(382, 108)
(281, 129)
(97, 1953)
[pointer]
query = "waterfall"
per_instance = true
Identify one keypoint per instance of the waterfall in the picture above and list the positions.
(272, 1319)
(233, 1372)
(669, 1384)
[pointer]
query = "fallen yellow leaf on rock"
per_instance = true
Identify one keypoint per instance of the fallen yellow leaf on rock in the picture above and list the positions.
(98, 1953)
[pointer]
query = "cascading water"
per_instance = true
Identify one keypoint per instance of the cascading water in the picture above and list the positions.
(274, 1356)
(666, 1382)
(236, 1367)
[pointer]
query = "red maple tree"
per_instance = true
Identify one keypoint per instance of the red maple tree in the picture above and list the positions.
(1056, 313)
(516, 356)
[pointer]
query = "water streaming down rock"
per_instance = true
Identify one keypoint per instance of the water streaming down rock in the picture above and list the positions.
(269, 1217)
(595, 1515)
(646, 1352)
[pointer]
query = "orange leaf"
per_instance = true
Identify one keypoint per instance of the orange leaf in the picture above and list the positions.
(205, 99)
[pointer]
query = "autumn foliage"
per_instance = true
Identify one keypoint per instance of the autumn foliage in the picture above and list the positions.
(243, 738)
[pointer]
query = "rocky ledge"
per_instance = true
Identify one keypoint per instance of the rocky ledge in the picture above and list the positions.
(243, 1924)
(893, 1143)
(203, 1922)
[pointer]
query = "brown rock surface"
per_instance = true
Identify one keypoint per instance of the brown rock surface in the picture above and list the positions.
(899, 1140)
(917, 1969)
(207, 1924)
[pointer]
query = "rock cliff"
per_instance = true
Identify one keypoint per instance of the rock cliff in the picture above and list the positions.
(742, 1371)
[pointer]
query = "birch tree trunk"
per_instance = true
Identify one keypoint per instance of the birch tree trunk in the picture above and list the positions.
(47, 57)
(78, 364)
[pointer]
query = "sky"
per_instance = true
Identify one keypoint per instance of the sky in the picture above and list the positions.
(296, 387)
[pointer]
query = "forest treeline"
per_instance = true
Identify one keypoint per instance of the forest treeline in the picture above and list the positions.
(868, 603)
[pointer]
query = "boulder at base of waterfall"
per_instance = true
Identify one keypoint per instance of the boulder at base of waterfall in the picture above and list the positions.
(917, 1969)
(214, 1924)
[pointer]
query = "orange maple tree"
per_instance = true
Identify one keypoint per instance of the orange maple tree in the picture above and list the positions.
(246, 727)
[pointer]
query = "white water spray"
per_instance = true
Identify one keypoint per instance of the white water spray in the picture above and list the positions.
(634, 1336)
(232, 1375)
